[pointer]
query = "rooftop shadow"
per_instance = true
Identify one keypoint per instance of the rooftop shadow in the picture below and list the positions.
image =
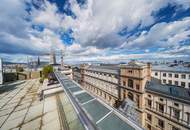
(10, 86)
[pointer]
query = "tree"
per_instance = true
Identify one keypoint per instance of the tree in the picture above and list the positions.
(46, 70)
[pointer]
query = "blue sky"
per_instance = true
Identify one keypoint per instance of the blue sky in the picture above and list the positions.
(95, 30)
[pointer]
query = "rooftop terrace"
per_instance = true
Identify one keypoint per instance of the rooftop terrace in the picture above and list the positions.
(21, 109)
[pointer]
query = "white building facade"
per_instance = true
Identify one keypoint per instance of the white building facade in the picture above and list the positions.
(172, 76)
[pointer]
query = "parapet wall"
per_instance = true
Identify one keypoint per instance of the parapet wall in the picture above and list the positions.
(13, 76)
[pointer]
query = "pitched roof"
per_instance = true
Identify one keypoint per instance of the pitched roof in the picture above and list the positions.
(170, 91)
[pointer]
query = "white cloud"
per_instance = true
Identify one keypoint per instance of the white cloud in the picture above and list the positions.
(16, 35)
(47, 16)
(12, 14)
(162, 35)
(125, 57)
(102, 19)
(76, 50)
(95, 29)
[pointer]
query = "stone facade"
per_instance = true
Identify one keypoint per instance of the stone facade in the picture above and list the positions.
(177, 78)
(165, 113)
(117, 83)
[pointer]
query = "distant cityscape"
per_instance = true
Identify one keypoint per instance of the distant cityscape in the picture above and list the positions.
(152, 95)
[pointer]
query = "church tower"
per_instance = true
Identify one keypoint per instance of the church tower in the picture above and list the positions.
(52, 57)
(62, 63)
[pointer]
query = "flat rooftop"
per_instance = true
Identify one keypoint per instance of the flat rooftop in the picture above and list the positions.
(167, 68)
(94, 113)
(21, 109)
(64, 106)
(171, 91)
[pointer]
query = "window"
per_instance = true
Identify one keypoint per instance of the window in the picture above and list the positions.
(156, 74)
(149, 95)
(183, 84)
(175, 128)
(123, 105)
(149, 103)
(149, 117)
(124, 83)
(176, 76)
(170, 82)
(124, 94)
(164, 81)
(130, 71)
(176, 83)
(183, 76)
(189, 76)
(189, 85)
(170, 75)
(130, 96)
(137, 86)
(161, 108)
(138, 101)
(161, 99)
(161, 123)
(130, 83)
(164, 74)
(188, 118)
(176, 104)
(148, 126)
(176, 113)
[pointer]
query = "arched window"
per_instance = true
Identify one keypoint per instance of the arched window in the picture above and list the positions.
(130, 83)
(130, 96)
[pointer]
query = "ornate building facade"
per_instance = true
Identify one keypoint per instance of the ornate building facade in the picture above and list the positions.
(159, 106)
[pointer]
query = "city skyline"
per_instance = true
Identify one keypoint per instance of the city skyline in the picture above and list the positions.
(95, 30)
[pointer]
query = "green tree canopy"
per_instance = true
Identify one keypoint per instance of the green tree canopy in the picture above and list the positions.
(46, 70)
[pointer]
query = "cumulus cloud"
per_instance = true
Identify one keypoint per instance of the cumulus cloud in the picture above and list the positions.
(162, 35)
(16, 34)
(47, 16)
(99, 21)
(12, 15)
(95, 27)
